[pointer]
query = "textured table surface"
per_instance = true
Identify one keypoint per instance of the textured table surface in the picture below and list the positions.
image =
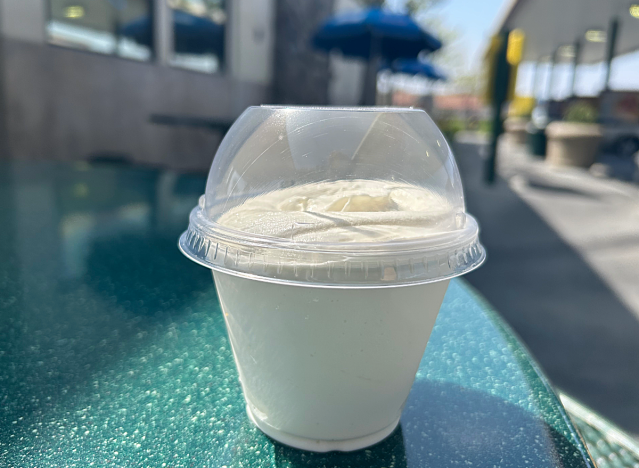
(113, 350)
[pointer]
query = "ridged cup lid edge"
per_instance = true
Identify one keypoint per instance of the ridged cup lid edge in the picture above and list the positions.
(341, 269)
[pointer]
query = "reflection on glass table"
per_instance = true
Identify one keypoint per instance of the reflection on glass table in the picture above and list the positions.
(113, 350)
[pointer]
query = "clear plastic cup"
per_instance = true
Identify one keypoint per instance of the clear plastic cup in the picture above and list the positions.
(332, 234)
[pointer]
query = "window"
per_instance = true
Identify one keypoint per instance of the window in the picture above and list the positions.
(198, 34)
(115, 27)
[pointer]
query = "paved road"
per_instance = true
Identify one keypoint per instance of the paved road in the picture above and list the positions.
(556, 243)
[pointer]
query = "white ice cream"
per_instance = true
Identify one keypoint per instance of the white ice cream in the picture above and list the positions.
(344, 211)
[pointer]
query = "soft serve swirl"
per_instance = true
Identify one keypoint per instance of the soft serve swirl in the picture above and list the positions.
(344, 211)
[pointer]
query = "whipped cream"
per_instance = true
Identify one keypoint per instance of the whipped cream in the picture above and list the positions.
(344, 211)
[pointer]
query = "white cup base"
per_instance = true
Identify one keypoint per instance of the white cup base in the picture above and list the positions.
(317, 445)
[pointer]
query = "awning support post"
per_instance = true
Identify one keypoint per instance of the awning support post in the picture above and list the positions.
(575, 63)
(499, 96)
(536, 78)
(550, 84)
(613, 32)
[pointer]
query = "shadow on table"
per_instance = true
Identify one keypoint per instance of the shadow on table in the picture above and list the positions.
(443, 425)
(141, 273)
(586, 340)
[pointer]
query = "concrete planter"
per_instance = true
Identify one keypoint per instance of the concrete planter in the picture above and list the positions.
(516, 130)
(572, 144)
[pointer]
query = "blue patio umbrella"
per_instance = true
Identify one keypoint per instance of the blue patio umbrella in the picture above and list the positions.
(374, 34)
(355, 34)
(417, 67)
(192, 34)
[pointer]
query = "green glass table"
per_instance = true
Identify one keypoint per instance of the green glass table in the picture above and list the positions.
(113, 350)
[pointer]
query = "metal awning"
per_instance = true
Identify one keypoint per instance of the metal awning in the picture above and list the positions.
(549, 24)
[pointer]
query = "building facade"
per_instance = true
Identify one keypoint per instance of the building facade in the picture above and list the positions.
(84, 78)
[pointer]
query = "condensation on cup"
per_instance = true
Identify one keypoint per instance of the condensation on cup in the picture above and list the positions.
(332, 234)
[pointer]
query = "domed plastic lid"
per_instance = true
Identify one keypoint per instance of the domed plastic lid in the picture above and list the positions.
(338, 197)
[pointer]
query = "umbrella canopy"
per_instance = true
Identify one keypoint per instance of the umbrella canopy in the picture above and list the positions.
(417, 67)
(355, 34)
(375, 35)
(192, 34)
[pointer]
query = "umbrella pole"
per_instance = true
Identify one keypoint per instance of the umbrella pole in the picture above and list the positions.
(369, 92)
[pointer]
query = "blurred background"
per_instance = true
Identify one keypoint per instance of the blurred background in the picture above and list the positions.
(159, 82)
(539, 100)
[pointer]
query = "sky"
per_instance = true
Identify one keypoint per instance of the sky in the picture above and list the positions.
(474, 21)
(472, 26)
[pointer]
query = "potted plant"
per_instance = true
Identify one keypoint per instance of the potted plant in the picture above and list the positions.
(574, 141)
(518, 117)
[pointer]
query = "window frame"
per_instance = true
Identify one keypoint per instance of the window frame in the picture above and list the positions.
(224, 67)
(153, 52)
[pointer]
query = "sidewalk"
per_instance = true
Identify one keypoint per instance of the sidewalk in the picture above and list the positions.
(599, 217)
(563, 270)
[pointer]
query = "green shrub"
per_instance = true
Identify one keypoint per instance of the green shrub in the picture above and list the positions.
(580, 112)
(451, 126)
